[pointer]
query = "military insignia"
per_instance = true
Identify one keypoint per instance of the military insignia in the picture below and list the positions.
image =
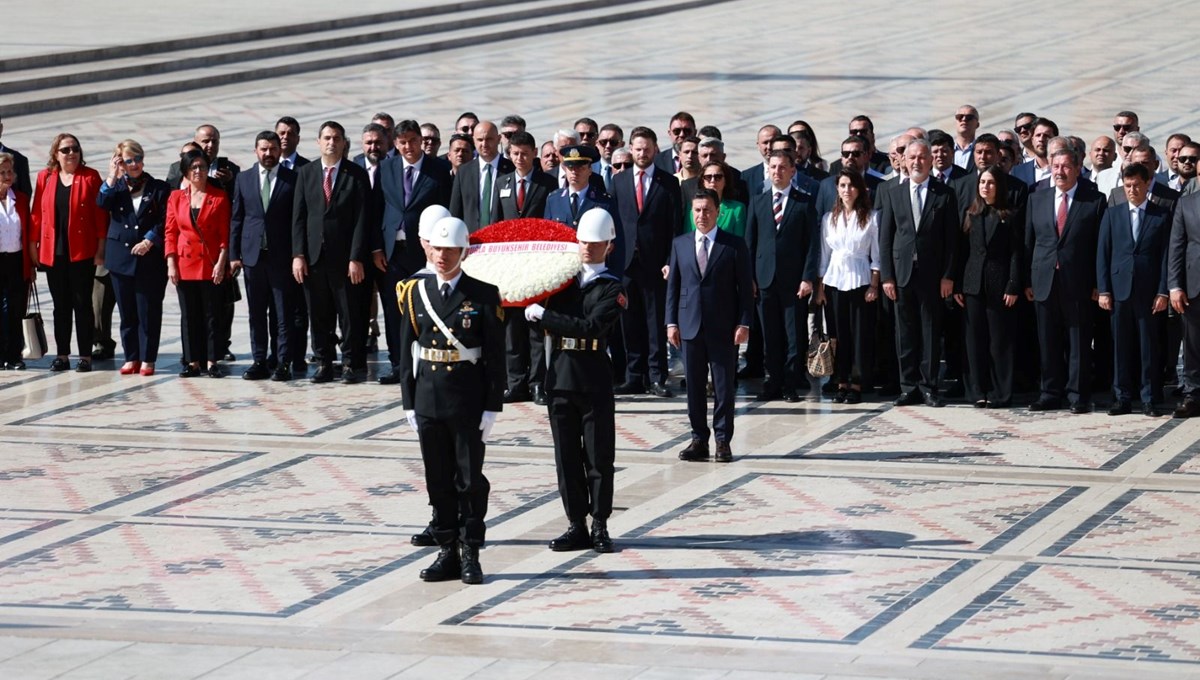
(622, 300)
(574, 155)
(466, 323)
(467, 307)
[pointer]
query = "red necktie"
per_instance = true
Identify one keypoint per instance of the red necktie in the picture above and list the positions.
(328, 185)
(641, 198)
(1061, 219)
(520, 195)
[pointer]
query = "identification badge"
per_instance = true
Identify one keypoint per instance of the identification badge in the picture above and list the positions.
(506, 192)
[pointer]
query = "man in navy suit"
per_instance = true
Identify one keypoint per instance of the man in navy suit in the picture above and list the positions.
(710, 301)
(260, 238)
(682, 126)
(1062, 226)
(409, 182)
(1037, 168)
(1131, 276)
(649, 212)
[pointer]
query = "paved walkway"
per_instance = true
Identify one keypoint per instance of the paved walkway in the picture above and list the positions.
(167, 528)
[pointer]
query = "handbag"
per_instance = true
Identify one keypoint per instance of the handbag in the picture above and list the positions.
(821, 349)
(34, 329)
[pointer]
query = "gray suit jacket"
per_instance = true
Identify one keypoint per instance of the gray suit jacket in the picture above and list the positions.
(1183, 253)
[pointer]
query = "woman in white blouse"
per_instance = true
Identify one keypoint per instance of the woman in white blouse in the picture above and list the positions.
(850, 282)
(16, 268)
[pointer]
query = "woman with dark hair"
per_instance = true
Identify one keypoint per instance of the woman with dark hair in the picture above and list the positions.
(16, 267)
(850, 278)
(197, 245)
(988, 288)
(732, 216)
(69, 228)
(137, 206)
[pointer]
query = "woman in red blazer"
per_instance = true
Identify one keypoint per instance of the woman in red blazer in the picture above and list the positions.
(68, 233)
(197, 243)
(16, 268)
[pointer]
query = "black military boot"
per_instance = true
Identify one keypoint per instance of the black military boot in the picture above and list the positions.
(575, 538)
(601, 543)
(446, 567)
(471, 572)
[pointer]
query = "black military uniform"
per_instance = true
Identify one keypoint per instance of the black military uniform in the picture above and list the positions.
(449, 395)
(578, 322)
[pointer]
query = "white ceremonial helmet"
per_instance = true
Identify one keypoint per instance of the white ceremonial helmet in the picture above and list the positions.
(430, 217)
(596, 225)
(449, 232)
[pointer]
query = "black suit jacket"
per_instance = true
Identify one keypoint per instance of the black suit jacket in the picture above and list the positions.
(465, 190)
(1074, 254)
(402, 214)
(649, 233)
(537, 190)
(966, 187)
(250, 222)
(1183, 260)
(955, 173)
(590, 313)
(715, 303)
(21, 167)
(336, 233)
(785, 256)
(934, 242)
(991, 254)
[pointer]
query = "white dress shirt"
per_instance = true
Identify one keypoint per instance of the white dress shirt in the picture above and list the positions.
(10, 225)
(849, 250)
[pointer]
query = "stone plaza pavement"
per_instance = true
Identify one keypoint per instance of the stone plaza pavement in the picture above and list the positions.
(163, 528)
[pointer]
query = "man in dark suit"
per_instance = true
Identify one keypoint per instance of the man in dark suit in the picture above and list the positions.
(783, 238)
(918, 246)
(1037, 168)
(1131, 277)
(1183, 277)
(682, 126)
(1158, 192)
(409, 183)
(710, 300)
(1061, 231)
(944, 168)
(877, 162)
(260, 242)
(21, 167)
(986, 152)
(474, 195)
(329, 248)
(647, 201)
(288, 129)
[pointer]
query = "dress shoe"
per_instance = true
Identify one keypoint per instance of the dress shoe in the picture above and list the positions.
(391, 378)
(1000, 404)
(769, 393)
(130, 367)
(215, 371)
(1149, 410)
(601, 542)
(660, 389)
(516, 395)
(1120, 408)
(696, 451)
(84, 366)
(229, 357)
(853, 396)
(933, 400)
(791, 397)
(323, 374)
(909, 399)
(1190, 408)
(839, 397)
(574, 538)
(353, 376)
(724, 453)
(424, 539)
(17, 365)
(257, 371)
(190, 371)
(1045, 405)
(445, 567)
(101, 353)
(539, 395)
(282, 374)
(630, 387)
(749, 373)
(981, 403)
(470, 571)
(1081, 407)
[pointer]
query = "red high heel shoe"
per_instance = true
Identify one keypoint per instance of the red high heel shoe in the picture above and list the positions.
(148, 368)
(131, 367)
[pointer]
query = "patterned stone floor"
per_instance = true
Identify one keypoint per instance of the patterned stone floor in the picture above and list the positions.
(166, 528)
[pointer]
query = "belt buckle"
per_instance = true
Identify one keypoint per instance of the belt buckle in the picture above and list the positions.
(569, 343)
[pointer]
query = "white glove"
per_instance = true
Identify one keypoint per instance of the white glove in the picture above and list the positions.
(486, 425)
(534, 312)
(411, 417)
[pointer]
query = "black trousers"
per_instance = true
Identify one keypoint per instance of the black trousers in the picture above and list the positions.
(887, 371)
(1137, 344)
(854, 323)
(104, 299)
(140, 300)
(270, 290)
(785, 326)
(13, 294)
(331, 297)
(645, 326)
(199, 306)
(1065, 339)
(525, 352)
(990, 328)
(70, 286)
(1190, 380)
(585, 451)
(919, 308)
(458, 491)
(699, 357)
(385, 282)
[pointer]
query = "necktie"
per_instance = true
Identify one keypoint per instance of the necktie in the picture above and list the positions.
(408, 184)
(677, 164)
(328, 185)
(266, 190)
(777, 208)
(287, 164)
(641, 196)
(445, 292)
(608, 178)
(1061, 218)
(916, 206)
(702, 254)
(520, 196)
(575, 208)
(1135, 217)
(485, 199)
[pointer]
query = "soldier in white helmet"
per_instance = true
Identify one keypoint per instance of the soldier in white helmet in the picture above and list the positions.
(579, 385)
(452, 386)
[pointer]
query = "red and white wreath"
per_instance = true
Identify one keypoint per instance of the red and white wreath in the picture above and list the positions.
(527, 259)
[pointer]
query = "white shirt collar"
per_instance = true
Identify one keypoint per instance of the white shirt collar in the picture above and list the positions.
(649, 170)
(453, 282)
(590, 272)
(417, 165)
(1058, 193)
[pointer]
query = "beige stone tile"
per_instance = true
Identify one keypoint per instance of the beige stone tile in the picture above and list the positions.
(56, 658)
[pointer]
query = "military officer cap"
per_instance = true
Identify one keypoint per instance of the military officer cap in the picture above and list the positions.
(449, 232)
(430, 217)
(579, 153)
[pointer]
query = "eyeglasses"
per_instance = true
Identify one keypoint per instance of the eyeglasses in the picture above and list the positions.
(712, 178)
(685, 131)
(960, 117)
(132, 161)
(1022, 129)
(1124, 128)
(622, 166)
(1187, 159)
(607, 141)
(852, 154)
(68, 150)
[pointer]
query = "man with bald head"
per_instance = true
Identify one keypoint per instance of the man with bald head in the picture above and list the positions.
(1103, 153)
(966, 123)
(221, 170)
(474, 196)
(757, 178)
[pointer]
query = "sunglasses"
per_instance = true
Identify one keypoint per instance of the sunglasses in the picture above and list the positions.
(586, 135)
(1123, 128)
(1127, 149)
(431, 140)
(622, 166)
(899, 151)
(1022, 129)
(607, 141)
(68, 150)
(852, 154)
(712, 178)
(685, 131)
(507, 134)
(132, 161)
(1187, 159)
(861, 132)
(466, 129)
(960, 117)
